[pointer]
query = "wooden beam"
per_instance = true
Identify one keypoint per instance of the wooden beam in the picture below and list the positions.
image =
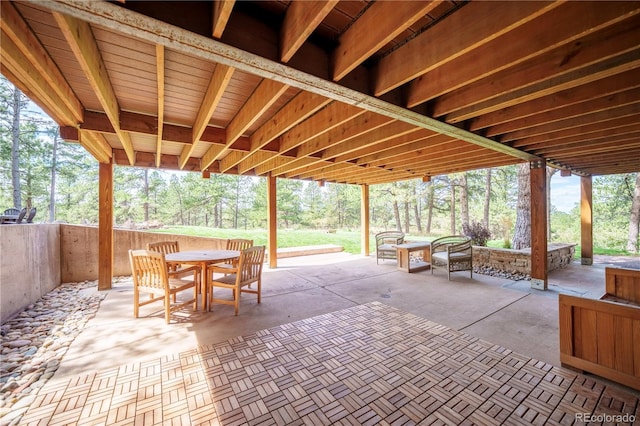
(526, 42)
(301, 19)
(217, 85)
(475, 24)
(105, 226)
(301, 107)
(160, 97)
(377, 26)
(586, 220)
(265, 95)
(118, 19)
(34, 53)
(95, 144)
(272, 221)
(364, 220)
(539, 267)
(221, 13)
(85, 48)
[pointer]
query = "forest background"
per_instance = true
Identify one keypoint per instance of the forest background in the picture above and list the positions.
(38, 169)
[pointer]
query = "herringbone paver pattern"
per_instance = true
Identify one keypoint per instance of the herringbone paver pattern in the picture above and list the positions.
(366, 365)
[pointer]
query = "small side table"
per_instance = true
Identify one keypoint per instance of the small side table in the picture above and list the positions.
(404, 256)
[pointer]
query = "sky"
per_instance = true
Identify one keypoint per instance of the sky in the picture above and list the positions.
(565, 192)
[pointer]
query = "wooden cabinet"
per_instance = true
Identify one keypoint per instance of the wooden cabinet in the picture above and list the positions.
(406, 263)
(602, 336)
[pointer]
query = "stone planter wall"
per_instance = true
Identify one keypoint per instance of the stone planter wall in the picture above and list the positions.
(519, 261)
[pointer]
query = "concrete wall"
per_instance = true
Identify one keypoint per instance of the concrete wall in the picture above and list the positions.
(29, 265)
(519, 261)
(79, 249)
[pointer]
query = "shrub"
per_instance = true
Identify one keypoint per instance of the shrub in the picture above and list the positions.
(478, 233)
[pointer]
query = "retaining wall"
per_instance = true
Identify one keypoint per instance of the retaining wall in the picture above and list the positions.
(519, 261)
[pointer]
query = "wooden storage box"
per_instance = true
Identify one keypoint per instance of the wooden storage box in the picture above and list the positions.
(602, 336)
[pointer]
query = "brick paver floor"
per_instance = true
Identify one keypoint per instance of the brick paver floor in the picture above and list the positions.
(366, 365)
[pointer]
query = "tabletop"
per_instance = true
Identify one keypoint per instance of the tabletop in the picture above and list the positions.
(202, 255)
(415, 244)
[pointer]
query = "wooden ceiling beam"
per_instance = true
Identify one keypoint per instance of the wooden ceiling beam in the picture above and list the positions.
(618, 142)
(15, 66)
(475, 24)
(95, 144)
(85, 48)
(217, 85)
(119, 19)
(508, 119)
(160, 97)
(596, 130)
(265, 95)
(606, 118)
(592, 73)
(303, 105)
(65, 103)
(301, 19)
(221, 13)
(531, 40)
(379, 146)
(416, 147)
(563, 64)
(571, 111)
(148, 160)
(325, 120)
(377, 26)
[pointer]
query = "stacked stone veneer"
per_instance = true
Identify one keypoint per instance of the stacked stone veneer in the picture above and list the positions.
(519, 261)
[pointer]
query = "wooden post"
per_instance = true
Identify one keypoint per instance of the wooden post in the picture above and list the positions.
(105, 226)
(364, 220)
(586, 220)
(539, 267)
(272, 219)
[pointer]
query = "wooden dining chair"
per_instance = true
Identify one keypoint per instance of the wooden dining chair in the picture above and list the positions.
(248, 271)
(176, 270)
(237, 244)
(150, 275)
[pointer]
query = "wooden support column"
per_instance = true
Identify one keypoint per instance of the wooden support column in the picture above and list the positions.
(586, 220)
(105, 226)
(364, 220)
(272, 219)
(539, 267)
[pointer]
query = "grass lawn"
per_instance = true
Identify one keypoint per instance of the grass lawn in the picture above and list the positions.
(349, 240)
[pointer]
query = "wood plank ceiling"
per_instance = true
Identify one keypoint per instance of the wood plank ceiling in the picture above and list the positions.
(360, 92)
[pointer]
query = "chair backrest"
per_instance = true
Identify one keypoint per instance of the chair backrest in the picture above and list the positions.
(21, 215)
(11, 212)
(250, 265)
(164, 247)
(389, 237)
(148, 269)
(32, 214)
(239, 244)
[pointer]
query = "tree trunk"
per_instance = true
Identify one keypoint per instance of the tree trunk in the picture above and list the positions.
(429, 208)
(15, 149)
(416, 211)
(464, 199)
(522, 233)
(52, 192)
(453, 207)
(396, 213)
(487, 199)
(634, 219)
(407, 217)
(146, 196)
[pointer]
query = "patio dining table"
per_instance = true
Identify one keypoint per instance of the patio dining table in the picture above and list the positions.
(204, 258)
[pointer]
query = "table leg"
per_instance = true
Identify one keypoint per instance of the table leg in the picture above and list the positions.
(204, 287)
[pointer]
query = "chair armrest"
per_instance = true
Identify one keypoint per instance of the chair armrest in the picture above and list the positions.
(459, 247)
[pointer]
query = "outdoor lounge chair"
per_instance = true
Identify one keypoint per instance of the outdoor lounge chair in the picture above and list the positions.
(248, 271)
(385, 242)
(32, 214)
(150, 275)
(454, 253)
(21, 215)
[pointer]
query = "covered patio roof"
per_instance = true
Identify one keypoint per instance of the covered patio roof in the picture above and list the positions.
(359, 92)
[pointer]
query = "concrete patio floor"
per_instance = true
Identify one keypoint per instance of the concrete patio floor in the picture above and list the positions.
(506, 313)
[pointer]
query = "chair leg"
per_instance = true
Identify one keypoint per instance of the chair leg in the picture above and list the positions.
(236, 297)
(167, 307)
